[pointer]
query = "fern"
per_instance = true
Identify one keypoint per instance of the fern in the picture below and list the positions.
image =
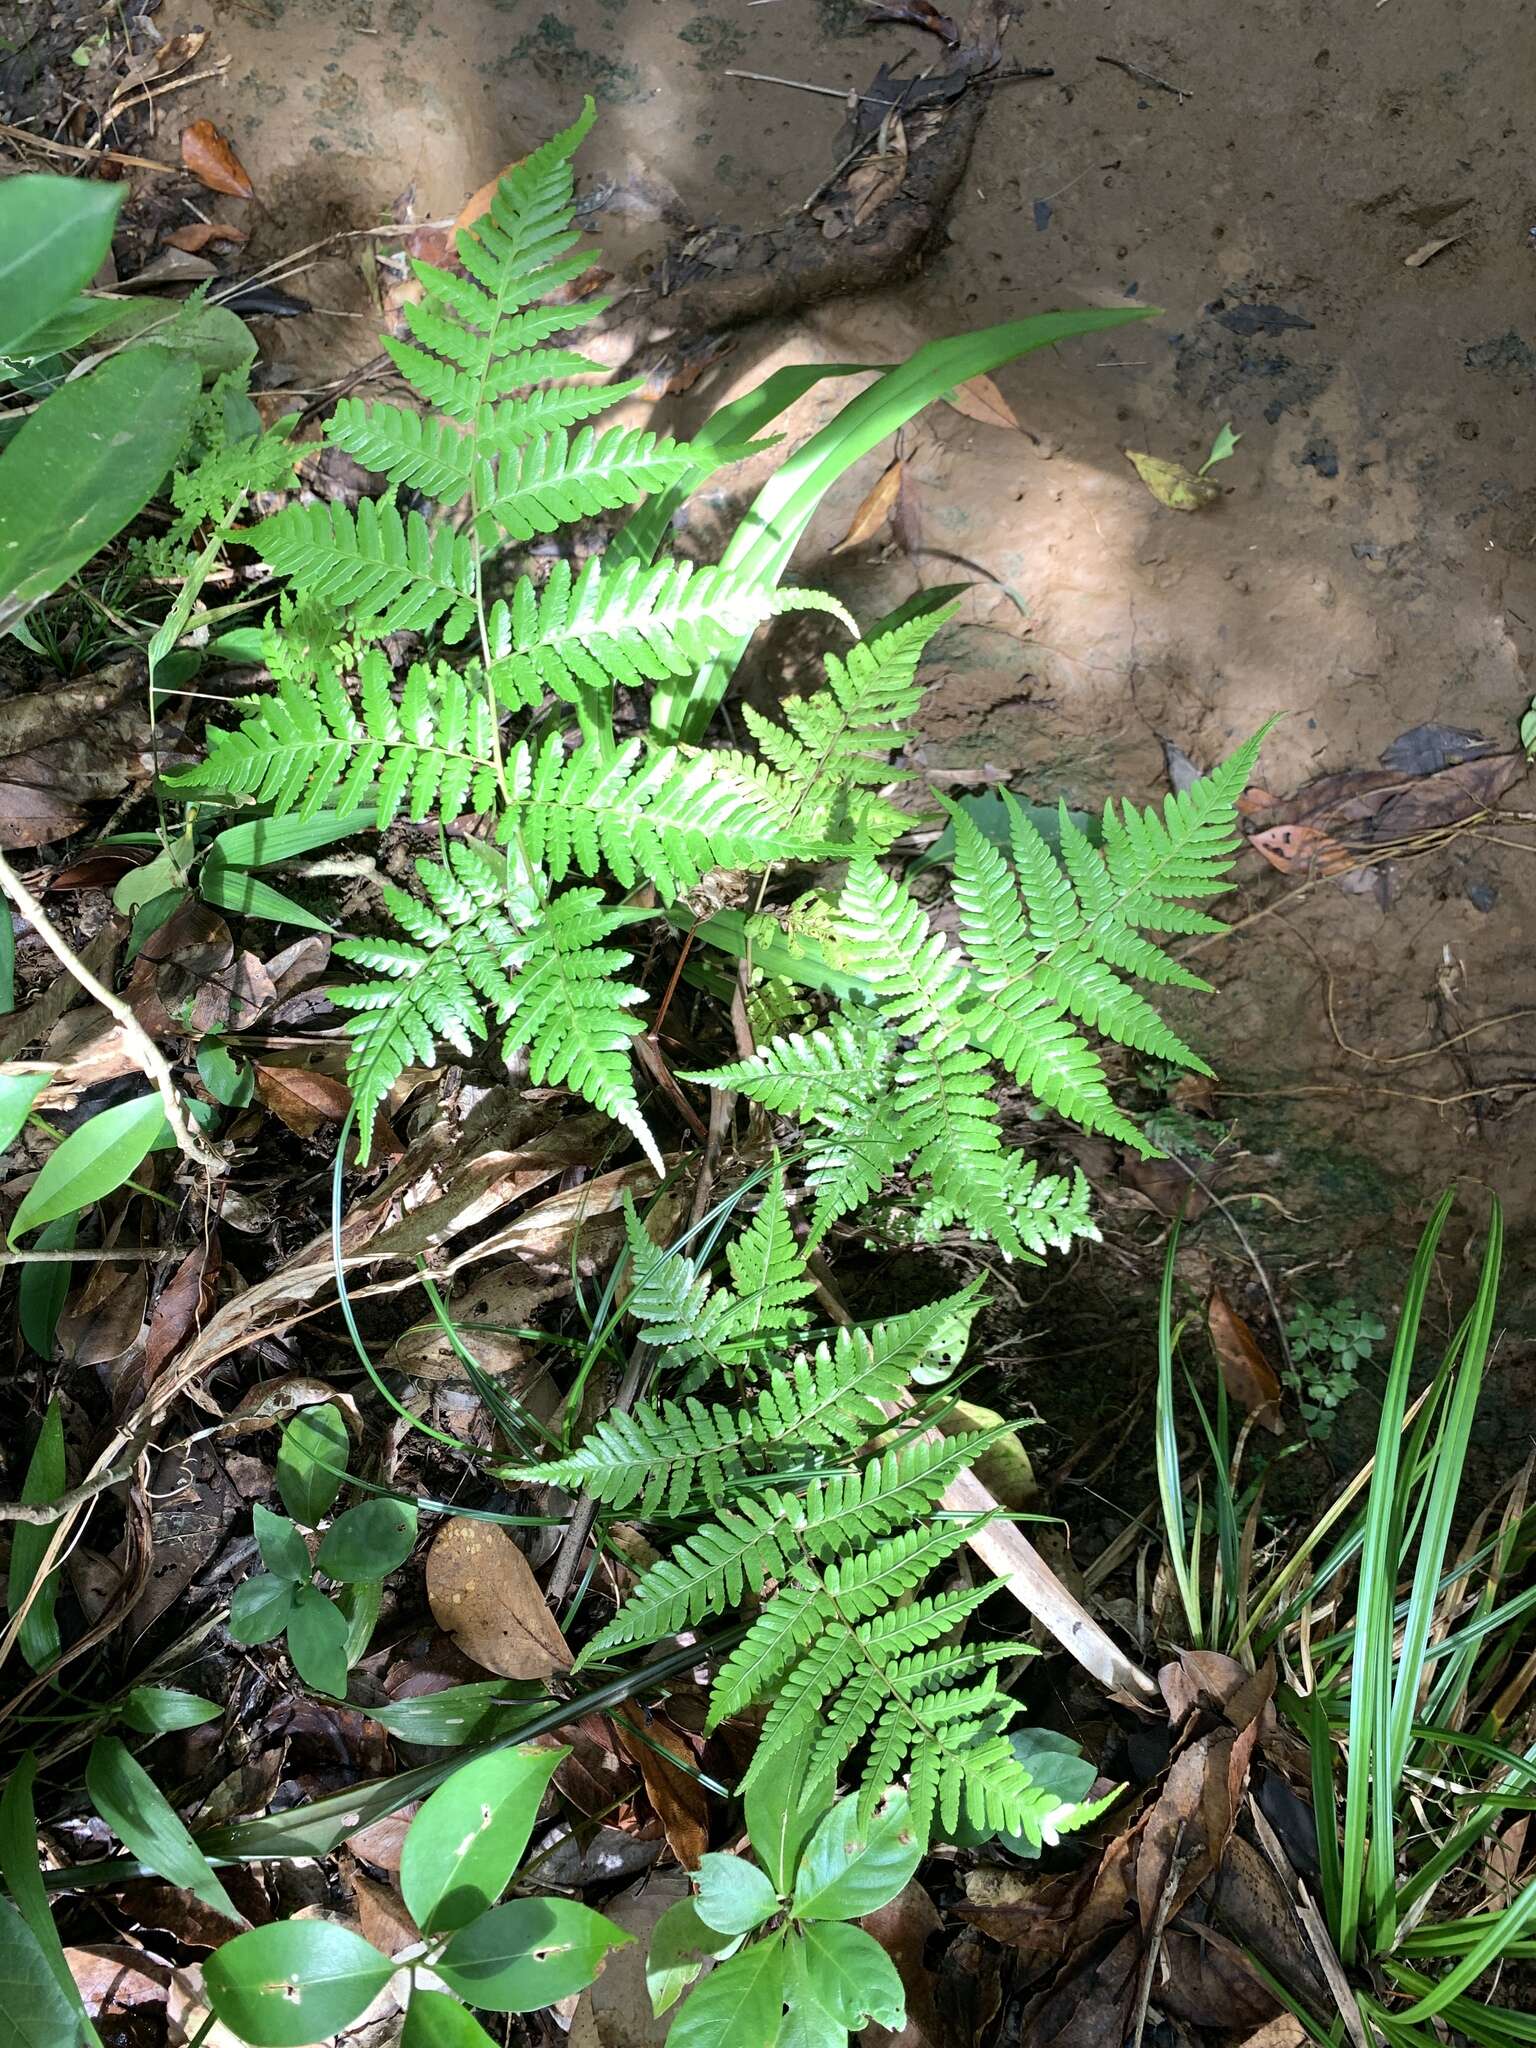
(908, 1081)
(485, 947)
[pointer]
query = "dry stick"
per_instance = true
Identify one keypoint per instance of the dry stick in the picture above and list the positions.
(146, 1053)
(1315, 1927)
(153, 92)
(9, 133)
(1010, 1556)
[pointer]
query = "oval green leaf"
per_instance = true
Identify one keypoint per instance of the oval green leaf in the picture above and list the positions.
(741, 2002)
(849, 1973)
(369, 1541)
(141, 1816)
(105, 1151)
(733, 1896)
(156, 1709)
(260, 1608)
(469, 1837)
(18, 1092)
(680, 1946)
(434, 2020)
(283, 1550)
(312, 1463)
(848, 1870)
(317, 1642)
(86, 461)
(54, 233)
(526, 1954)
(294, 1983)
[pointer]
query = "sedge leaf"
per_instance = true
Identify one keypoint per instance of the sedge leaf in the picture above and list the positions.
(106, 1150)
(141, 1816)
(46, 1479)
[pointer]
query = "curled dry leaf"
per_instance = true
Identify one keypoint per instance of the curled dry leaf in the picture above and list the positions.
(1247, 1374)
(184, 1301)
(681, 1803)
(196, 236)
(208, 156)
(303, 1100)
(1172, 484)
(875, 510)
(979, 399)
(1425, 250)
(481, 1590)
(1302, 850)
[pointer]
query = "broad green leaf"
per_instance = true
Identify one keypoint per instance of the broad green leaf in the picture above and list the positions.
(45, 1480)
(680, 1946)
(368, 1541)
(228, 888)
(782, 1807)
(283, 1550)
(228, 1080)
(358, 1605)
(86, 461)
(260, 1608)
(523, 1956)
(294, 1983)
(140, 1815)
(317, 1642)
(214, 340)
(738, 2005)
(1057, 1765)
(848, 1972)
(312, 1463)
(44, 1288)
(157, 1709)
(733, 1896)
(469, 1837)
(269, 840)
(766, 538)
(34, 2011)
(848, 1870)
(458, 1715)
(434, 2020)
(23, 1875)
(54, 233)
(18, 1092)
(100, 1155)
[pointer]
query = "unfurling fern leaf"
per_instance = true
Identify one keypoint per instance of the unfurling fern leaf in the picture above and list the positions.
(907, 1082)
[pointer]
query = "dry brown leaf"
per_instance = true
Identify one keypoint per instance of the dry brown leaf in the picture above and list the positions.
(301, 1099)
(482, 1591)
(979, 399)
(1247, 1374)
(106, 1319)
(1301, 850)
(208, 156)
(235, 999)
(381, 1913)
(485, 1312)
(681, 1803)
(184, 1301)
(199, 233)
(875, 510)
(903, 1929)
(1285, 2031)
(1422, 254)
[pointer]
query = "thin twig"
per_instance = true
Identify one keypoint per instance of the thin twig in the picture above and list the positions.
(153, 92)
(1180, 92)
(1247, 1244)
(146, 1054)
(9, 133)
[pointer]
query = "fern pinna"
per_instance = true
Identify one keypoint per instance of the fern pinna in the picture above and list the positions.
(788, 1496)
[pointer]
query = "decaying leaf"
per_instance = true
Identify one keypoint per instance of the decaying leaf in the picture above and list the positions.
(197, 235)
(917, 14)
(183, 1303)
(1425, 250)
(1302, 850)
(875, 510)
(303, 1099)
(979, 399)
(482, 1591)
(681, 1803)
(212, 161)
(1172, 484)
(1246, 1373)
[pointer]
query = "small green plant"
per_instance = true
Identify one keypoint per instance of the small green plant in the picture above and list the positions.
(299, 1981)
(359, 1550)
(1224, 445)
(1329, 1345)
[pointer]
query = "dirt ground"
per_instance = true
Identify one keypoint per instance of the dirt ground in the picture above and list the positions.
(1372, 566)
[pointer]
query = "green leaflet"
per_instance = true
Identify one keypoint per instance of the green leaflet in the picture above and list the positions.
(93, 1161)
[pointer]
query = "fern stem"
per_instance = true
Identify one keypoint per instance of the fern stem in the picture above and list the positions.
(493, 709)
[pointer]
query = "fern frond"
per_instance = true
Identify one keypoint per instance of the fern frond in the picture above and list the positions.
(436, 984)
(571, 1010)
(307, 746)
(665, 815)
(833, 750)
(389, 573)
(554, 479)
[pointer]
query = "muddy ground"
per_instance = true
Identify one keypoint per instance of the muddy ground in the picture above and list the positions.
(1371, 567)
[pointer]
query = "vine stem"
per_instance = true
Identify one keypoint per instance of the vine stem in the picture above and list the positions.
(146, 1054)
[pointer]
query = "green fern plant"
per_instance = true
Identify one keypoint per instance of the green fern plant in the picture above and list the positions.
(905, 1079)
(792, 1495)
